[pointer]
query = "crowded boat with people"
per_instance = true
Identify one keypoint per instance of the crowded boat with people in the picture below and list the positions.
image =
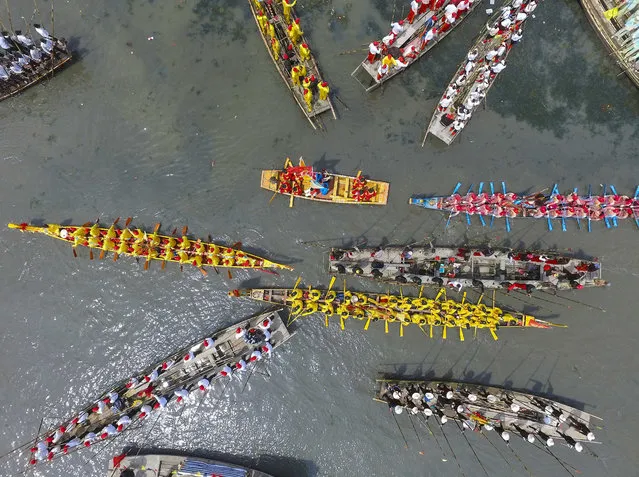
(468, 267)
(24, 60)
(179, 379)
(428, 22)
(150, 246)
(481, 409)
(304, 182)
(606, 207)
(440, 312)
(281, 31)
(479, 70)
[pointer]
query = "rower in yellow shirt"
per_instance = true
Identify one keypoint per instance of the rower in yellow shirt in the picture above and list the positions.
(288, 6)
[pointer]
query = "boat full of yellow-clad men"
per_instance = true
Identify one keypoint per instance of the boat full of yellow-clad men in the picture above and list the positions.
(422, 312)
(135, 242)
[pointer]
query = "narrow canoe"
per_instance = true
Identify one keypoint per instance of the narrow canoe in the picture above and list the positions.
(275, 15)
(608, 32)
(46, 69)
(479, 268)
(423, 312)
(441, 122)
(151, 246)
(410, 37)
(167, 465)
(341, 189)
(609, 208)
(138, 397)
(487, 408)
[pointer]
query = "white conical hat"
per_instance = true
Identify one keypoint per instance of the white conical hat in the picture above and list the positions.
(491, 399)
(550, 442)
(398, 410)
(449, 395)
(460, 409)
(515, 407)
(590, 436)
(488, 427)
(64, 233)
(505, 436)
(396, 395)
(428, 411)
(416, 396)
(444, 419)
(530, 438)
(429, 396)
(472, 397)
(578, 447)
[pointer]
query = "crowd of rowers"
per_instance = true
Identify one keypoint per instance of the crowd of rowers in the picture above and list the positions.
(434, 27)
(448, 403)
(481, 68)
(138, 243)
(292, 51)
(116, 412)
(554, 206)
(292, 181)
(22, 56)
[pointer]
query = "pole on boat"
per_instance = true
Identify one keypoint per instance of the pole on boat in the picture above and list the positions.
(410, 418)
(503, 188)
(563, 463)
(471, 448)
(441, 426)
(398, 427)
(425, 421)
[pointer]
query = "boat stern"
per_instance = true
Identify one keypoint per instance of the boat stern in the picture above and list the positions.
(427, 202)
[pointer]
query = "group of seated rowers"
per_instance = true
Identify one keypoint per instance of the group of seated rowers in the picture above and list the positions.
(302, 180)
(429, 32)
(121, 412)
(538, 205)
(507, 27)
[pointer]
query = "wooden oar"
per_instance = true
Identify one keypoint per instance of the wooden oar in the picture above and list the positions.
(297, 283)
(274, 194)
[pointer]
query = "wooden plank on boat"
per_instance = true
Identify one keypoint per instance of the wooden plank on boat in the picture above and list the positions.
(275, 15)
(606, 29)
(411, 36)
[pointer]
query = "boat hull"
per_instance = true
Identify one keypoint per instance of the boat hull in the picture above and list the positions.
(168, 465)
(152, 246)
(517, 413)
(205, 361)
(481, 268)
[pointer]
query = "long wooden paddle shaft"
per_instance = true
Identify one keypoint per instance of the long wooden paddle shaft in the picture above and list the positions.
(399, 428)
(471, 448)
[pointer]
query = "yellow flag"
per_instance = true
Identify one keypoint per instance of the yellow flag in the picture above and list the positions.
(612, 13)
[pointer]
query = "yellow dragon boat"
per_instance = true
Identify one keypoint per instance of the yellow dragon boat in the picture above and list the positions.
(150, 246)
(423, 312)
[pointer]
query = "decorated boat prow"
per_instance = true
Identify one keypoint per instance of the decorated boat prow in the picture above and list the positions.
(425, 313)
(29, 58)
(608, 207)
(617, 24)
(490, 411)
(280, 29)
(427, 24)
(479, 70)
(175, 381)
(167, 465)
(151, 246)
(468, 267)
(304, 182)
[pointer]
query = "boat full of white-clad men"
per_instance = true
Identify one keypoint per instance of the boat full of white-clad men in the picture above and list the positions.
(190, 370)
(25, 60)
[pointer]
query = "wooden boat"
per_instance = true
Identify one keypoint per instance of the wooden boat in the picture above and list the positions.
(618, 30)
(166, 465)
(276, 17)
(467, 267)
(412, 36)
(487, 408)
(423, 312)
(151, 246)
(214, 357)
(467, 94)
(34, 71)
(303, 182)
(563, 207)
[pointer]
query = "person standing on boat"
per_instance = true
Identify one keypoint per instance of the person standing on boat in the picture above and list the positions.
(323, 90)
(123, 422)
(381, 71)
(297, 31)
(275, 46)
(308, 99)
(415, 6)
(305, 52)
(444, 103)
(288, 6)
(262, 21)
(499, 67)
(397, 28)
(373, 51)
(516, 37)
(428, 35)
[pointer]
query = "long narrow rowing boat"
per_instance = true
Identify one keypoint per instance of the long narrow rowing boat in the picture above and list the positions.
(479, 70)
(617, 24)
(486, 408)
(275, 36)
(150, 246)
(411, 43)
(508, 205)
(467, 267)
(304, 183)
(167, 465)
(190, 370)
(439, 312)
(29, 65)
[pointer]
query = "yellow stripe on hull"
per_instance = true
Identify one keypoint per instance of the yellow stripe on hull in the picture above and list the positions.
(152, 246)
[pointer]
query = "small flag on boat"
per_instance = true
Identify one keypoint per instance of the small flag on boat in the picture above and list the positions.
(612, 13)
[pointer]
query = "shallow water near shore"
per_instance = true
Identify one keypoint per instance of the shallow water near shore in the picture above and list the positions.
(170, 113)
